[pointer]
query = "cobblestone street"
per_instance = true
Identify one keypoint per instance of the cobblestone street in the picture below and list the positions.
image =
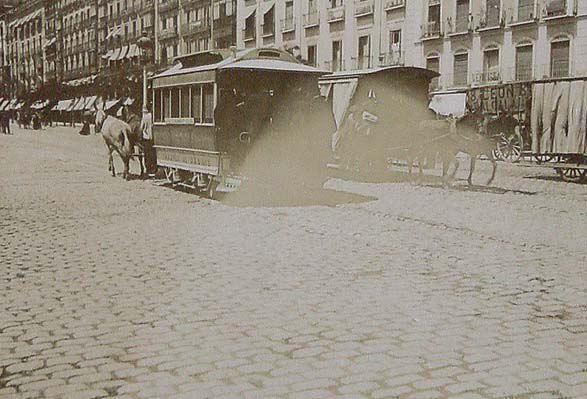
(111, 288)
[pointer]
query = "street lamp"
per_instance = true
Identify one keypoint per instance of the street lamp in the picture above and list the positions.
(145, 44)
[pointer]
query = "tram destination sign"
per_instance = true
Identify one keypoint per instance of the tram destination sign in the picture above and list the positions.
(512, 97)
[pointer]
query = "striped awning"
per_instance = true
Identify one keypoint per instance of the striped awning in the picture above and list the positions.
(111, 103)
(90, 101)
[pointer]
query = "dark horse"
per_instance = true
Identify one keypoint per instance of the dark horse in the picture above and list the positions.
(136, 135)
(462, 135)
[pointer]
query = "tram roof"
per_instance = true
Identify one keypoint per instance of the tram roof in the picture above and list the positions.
(414, 71)
(258, 59)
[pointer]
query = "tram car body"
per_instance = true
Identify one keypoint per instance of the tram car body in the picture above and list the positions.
(377, 113)
(223, 117)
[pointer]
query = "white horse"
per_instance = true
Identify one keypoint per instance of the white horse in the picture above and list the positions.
(116, 134)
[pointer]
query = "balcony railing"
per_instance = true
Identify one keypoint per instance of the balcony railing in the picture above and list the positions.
(559, 69)
(555, 8)
(392, 58)
(168, 33)
(486, 77)
(287, 25)
(523, 72)
(394, 4)
(362, 62)
(336, 14)
(363, 8)
(168, 5)
(431, 30)
(334, 66)
(195, 27)
(490, 20)
(460, 25)
(311, 19)
(525, 13)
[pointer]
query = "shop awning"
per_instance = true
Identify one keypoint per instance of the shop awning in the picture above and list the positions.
(111, 103)
(107, 55)
(90, 101)
(115, 54)
(11, 104)
(133, 51)
(123, 52)
(50, 42)
(116, 31)
(40, 104)
(449, 104)
(19, 105)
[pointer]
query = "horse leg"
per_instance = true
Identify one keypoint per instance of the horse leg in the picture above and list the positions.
(141, 152)
(110, 160)
(472, 169)
(489, 154)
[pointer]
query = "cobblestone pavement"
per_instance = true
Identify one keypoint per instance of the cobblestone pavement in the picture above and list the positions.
(125, 289)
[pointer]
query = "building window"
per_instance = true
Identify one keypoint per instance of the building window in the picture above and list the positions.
(492, 13)
(336, 3)
(432, 27)
(525, 10)
(250, 27)
(336, 55)
(461, 69)
(174, 103)
(185, 102)
(491, 65)
(269, 22)
(559, 59)
(312, 55)
(208, 103)
(433, 64)
(524, 62)
(197, 103)
(462, 17)
(364, 55)
(395, 47)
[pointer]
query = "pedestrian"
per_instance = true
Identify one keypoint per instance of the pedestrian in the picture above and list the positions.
(147, 135)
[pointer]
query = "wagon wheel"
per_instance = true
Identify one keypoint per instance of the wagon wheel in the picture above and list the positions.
(572, 175)
(509, 147)
(170, 175)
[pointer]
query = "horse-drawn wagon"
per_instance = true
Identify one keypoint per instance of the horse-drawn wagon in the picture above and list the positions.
(541, 119)
(222, 116)
(378, 114)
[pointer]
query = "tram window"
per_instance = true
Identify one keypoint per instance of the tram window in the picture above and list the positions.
(175, 103)
(185, 102)
(157, 106)
(165, 95)
(208, 103)
(197, 104)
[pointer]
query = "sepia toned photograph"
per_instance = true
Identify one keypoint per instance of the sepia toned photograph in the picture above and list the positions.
(293, 199)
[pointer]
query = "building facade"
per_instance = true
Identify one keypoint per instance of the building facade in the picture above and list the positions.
(470, 42)
(25, 44)
(72, 46)
(189, 26)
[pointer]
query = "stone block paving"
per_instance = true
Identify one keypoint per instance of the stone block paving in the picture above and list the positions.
(130, 290)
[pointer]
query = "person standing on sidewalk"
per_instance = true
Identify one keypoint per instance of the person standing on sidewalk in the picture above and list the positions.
(147, 132)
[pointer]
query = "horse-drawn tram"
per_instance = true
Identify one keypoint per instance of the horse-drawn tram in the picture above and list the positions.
(222, 117)
(378, 114)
